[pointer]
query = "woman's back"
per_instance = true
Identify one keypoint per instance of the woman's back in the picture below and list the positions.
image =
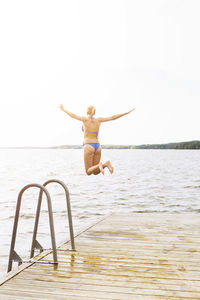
(91, 130)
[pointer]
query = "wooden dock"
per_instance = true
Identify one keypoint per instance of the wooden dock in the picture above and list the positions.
(124, 256)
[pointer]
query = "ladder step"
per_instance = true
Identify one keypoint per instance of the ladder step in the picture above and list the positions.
(38, 246)
(17, 258)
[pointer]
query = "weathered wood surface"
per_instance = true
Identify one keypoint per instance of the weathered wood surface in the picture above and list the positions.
(134, 256)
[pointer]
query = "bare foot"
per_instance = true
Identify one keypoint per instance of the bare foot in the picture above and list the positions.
(101, 168)
(110, 167)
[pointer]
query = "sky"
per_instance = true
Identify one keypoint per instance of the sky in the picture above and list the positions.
(115, 55)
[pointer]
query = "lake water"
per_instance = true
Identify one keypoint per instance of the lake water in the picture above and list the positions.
(143, 181)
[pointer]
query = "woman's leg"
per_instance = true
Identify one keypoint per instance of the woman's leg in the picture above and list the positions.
(97, 158)
(89, 155)
(109, 166)
(96, 161)
(92, 161)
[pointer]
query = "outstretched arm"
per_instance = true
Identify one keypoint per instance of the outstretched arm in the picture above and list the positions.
(115, 117)
(71, 114)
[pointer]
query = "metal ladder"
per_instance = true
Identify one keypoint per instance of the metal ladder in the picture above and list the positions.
(35, 244)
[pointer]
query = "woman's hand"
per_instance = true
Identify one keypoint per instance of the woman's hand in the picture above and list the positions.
(130, 111)
(61, 107)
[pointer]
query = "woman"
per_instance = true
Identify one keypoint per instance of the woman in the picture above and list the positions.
(92, 148)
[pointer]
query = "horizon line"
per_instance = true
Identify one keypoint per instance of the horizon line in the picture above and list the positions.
(103, 145)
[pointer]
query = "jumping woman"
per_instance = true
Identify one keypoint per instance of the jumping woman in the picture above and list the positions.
(92, 148)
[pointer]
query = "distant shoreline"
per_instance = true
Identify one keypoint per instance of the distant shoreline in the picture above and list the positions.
(190, 145)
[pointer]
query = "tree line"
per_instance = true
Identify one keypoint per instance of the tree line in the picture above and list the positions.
(181, 145)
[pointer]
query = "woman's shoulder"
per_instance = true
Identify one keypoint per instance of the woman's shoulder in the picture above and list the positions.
(84, 119)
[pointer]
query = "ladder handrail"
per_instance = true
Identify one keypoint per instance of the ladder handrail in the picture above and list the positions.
(35, 243)
(13, 255)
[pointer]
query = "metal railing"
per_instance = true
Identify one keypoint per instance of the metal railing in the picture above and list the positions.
(35, 244)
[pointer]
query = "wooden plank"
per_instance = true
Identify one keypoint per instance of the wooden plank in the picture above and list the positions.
(165, 254)
(128, 272)
(26, 295)
(131, 246)
(151, 236)
(119, 256)
(119, 280)
(179, 246)
(96, 291)
(138, 238)
(12, 295)
(140, 265)
(126, 286)
(130, 262)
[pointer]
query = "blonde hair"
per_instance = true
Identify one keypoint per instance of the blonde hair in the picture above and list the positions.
(91, 110)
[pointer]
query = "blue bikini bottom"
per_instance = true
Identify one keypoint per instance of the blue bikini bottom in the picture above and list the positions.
(94, 145)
